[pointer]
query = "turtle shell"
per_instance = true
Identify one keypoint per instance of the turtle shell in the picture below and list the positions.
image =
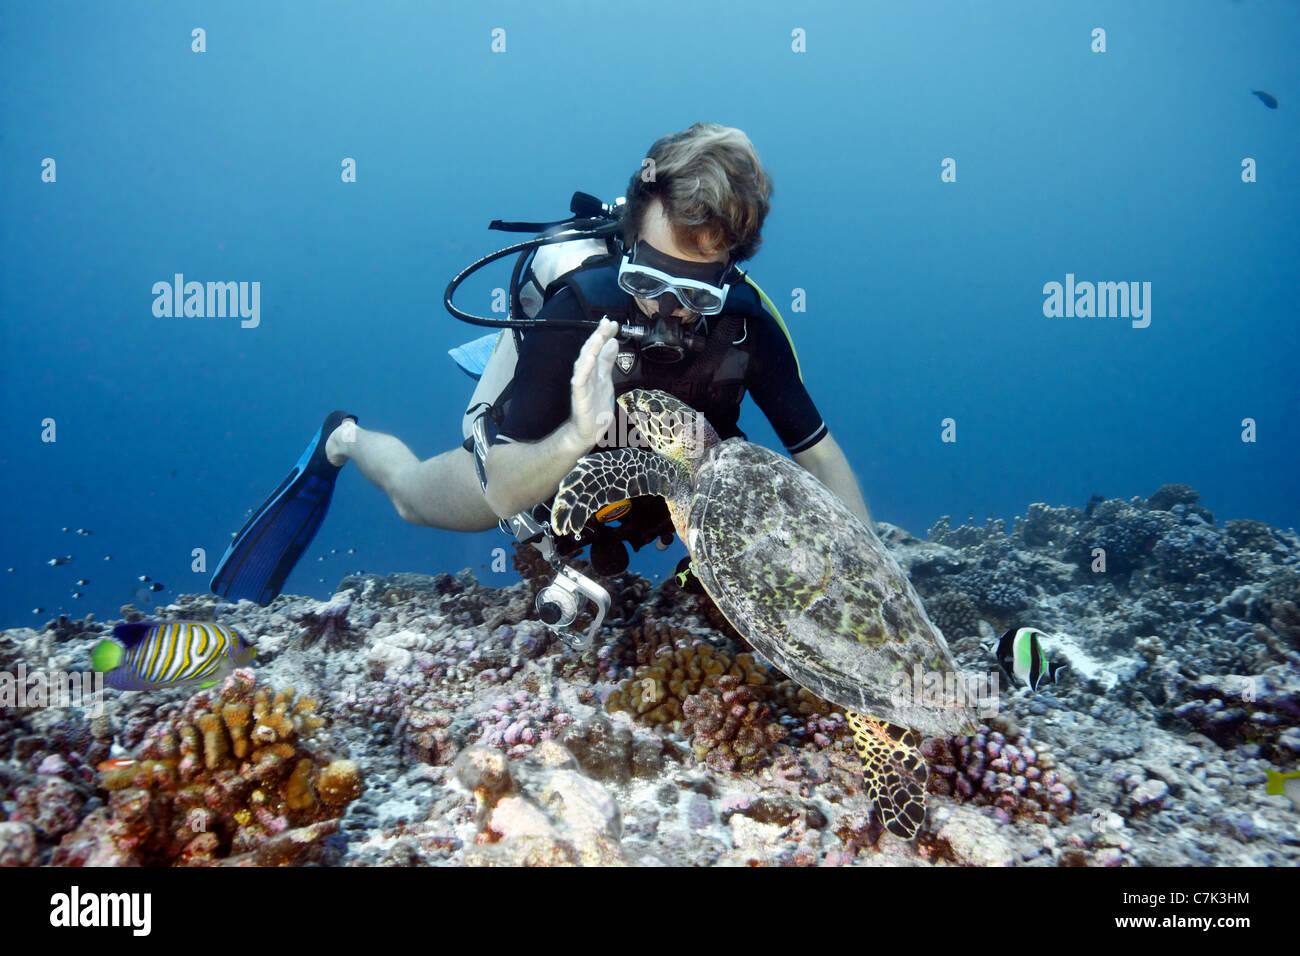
(814, 589)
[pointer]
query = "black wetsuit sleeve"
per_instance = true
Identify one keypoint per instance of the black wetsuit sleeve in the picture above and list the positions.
(774, 382)
(541, 397)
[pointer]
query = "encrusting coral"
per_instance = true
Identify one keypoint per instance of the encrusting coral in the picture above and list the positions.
(236, 777)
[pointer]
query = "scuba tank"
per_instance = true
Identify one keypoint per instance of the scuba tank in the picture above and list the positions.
(557, 250)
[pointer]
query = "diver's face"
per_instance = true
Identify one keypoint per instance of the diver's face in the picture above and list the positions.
(656, 230)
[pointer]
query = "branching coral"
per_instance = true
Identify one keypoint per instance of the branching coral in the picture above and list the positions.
(534, 569)
(1044, 525)
(640, 642)
(703, 606)
(954, 613)
(518, 723)
(1127, 535)
(237, 776)
(1184, 553)
(963, 536)
(673, 667)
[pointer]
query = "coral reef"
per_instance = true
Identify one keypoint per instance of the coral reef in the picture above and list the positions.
(729, 727)
(484, 740)
(516, 723)
(1261, 711)
(236, 776)
(1282, 636)
(954, 613)
(614, 750)
(546, 813)
(1166, 497)
(1008, 773)
(328, 620)
(657, 691)
(533, 569)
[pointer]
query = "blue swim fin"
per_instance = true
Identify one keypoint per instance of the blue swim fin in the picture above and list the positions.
(269, 545)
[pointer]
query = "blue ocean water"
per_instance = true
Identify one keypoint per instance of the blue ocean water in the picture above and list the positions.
(924, 298)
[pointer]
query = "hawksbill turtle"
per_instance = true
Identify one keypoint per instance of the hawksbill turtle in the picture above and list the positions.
(798, 575)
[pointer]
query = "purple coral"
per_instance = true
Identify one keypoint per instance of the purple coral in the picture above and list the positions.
(518, 723)
(991, 769)
(729, 727)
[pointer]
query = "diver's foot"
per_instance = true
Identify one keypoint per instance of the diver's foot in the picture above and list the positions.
(340, 442)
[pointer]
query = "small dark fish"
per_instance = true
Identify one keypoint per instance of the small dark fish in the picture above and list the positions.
(76, 594)
(144, 577)
(64, 530)
(334, 550)
(1268, 99)
(38, 610)
(82, 582)
(156, 586)
(55, 562)
(352, 550)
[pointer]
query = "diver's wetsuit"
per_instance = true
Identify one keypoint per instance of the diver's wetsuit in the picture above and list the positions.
(539, 400)
(763, 364)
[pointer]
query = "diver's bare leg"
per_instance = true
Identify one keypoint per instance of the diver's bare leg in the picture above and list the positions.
(442, 492)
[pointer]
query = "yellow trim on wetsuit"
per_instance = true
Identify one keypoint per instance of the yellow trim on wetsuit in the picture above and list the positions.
(776, 313)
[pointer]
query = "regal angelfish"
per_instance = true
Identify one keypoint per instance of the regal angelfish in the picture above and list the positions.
(148, 655)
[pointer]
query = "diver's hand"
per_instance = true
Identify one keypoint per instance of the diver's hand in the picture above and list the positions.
(593, 385)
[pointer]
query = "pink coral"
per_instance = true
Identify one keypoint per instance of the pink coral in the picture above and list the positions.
(730, 728)
(1008, 773)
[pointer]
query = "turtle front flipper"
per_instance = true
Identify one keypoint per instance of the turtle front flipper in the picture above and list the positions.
(894, 772)
(598, 481)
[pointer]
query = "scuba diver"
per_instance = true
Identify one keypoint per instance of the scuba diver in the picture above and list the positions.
(654, 300)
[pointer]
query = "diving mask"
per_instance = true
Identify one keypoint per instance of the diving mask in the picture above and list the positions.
(647, 273)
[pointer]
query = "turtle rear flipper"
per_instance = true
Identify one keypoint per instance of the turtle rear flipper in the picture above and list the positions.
(598, 481)
(894, 772)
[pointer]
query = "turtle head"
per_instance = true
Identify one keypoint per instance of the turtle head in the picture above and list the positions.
(668, 426)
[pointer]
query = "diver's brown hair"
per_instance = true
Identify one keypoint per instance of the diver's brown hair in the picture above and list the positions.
(713, 187)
